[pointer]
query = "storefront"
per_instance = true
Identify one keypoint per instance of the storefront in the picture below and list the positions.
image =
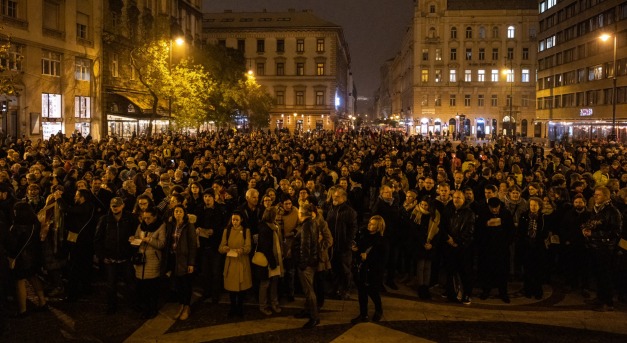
(591, 130)
(127, 126)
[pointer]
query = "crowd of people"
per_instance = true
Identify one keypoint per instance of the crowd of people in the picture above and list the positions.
(271, 214)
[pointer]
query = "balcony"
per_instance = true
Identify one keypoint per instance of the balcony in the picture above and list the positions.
(53, 33)
(15, 22)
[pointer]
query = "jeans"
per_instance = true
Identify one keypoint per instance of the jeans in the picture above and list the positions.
(271, 286)
(307, 282)
(341, 264)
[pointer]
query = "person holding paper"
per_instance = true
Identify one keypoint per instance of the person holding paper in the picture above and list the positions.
(237, 276)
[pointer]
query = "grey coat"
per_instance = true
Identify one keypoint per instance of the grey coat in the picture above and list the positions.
(153, 251)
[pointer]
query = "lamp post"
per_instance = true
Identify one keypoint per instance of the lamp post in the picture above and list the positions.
(612, 136)
(179, 41)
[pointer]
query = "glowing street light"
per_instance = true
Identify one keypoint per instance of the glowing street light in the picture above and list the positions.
(612, 136)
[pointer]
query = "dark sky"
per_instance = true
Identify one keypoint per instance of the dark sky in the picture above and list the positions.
(373, 28)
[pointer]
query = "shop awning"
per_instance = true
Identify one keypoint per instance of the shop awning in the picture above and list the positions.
(143, 101)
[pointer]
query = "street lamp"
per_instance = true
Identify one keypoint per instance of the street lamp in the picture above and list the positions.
(612, 136)
(179, 41)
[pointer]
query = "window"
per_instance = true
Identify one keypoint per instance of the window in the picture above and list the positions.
(467, 100)
(495, 54)
(82, 69)
(438, 75)
(481, 75)
(438, 100)
(525, 75)
(480, 100)
(468, 54)
(261, 69)
(452, 101)
(320, 69)
(508, 100)
(12, 59)
(468, 75)
(114, 65)
(510, 54)
(525, 54)
(510, 75)
(482, 32)
(438, 54)
(468, 32)
(425, 100)
(453, 32)
(280, 45)
(280, 97)
(300, 98)
(51, 20)
(431, 8)
(452, 75)
(494, 76)
(495, 32)
(300, 45)
(82, 107)
(320, 45)
(51, 63)
(51, 105)
(494, 101)
(9, 8)
(319, 98)
(453, 54)
(241, 45)
(300, 69)
(425, 54)
(82, 23)
(481, 54)
(261, 45)
(524, 101)
(511, 32)
(280, 69)
(424, 75)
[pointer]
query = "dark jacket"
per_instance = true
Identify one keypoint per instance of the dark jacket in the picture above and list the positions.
(265, 244)
(185, 253)
(390, 214)
(605, 225)
(342, 221)
(215, 219)
(371, 270)
(81, 219)
(111, 240)
(305, 250)
(459, 224)
(23, 242)
(526, 237)
(571, 227)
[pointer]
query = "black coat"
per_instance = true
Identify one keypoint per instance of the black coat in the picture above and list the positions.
(23, 242)
(459, 224)
(371, 269)
(342, 220)
(305, 246)
(111, 240)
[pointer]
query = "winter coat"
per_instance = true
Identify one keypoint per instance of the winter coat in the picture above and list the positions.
(342, 221)
(24, 245)
(305, 249)
(237, 273)
(325, 242)
(459, 224)
(605, 225)
(184, 255)
(111, 240)
(153, 251)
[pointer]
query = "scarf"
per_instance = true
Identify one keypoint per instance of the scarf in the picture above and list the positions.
(177, 235)
(533, 225)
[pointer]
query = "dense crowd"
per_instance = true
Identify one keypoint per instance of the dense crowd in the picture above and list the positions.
(319, 213)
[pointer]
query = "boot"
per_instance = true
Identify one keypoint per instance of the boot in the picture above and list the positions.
(185, 313)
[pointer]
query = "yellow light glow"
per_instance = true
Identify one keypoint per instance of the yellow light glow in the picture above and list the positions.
(179, 41)
(604, 37)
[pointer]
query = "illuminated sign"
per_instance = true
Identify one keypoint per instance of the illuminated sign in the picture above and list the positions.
(585, 112)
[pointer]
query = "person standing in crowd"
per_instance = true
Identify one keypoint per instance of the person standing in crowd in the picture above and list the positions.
(369, 261)
(388, 208)
(497, 232)
(426, 220)
(602, 232)
(112, 248)
(211, 222)
(182, 245)
(152, 233)
(80, 222)
(458, 225)
(576, 256)
(532, 233)
(269, 244)
(24, 253)
(287, 218)
(236, 244)
(305, 253)
(325, 242)
(342, 221)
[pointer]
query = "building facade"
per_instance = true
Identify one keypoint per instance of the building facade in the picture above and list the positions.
(301, 60)
(127, 104)
(580, 75)
(54, 50)
(468, 67)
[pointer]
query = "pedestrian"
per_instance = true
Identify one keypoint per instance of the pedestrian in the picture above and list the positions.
(532, 233)
(269, 245)
(305, 253)
(236, 244)
(182, 245)
(369, 268)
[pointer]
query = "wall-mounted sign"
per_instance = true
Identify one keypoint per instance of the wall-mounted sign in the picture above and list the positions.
(585, 112)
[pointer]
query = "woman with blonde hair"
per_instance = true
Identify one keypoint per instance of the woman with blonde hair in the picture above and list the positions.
(369, 268)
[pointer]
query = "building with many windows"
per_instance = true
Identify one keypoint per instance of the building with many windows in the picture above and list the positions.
(300, 59)
(54, 50)
(469, 67)
(582, 80)
(127, 104)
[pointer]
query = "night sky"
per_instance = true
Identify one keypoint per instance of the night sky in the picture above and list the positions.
(372, 28)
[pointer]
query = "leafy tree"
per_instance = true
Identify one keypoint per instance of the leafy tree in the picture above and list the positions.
(256, 103)
(9, 78)
(190, 89)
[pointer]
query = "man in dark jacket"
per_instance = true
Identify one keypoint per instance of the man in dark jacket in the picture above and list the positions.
(305, 252)
(211, 223)
(459, 224)
(342, 220)
(112, 247)
(576, 257)
(387, 207)
(602, 232)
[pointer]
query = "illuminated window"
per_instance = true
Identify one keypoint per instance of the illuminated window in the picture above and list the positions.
(511, 32)
(494, 76)
(320, 69)
(424, 75)
(82, 69)
(320, 45)
(82, 107)
(452, 75)
(468, 75)
(481, 75)
(300, 45)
